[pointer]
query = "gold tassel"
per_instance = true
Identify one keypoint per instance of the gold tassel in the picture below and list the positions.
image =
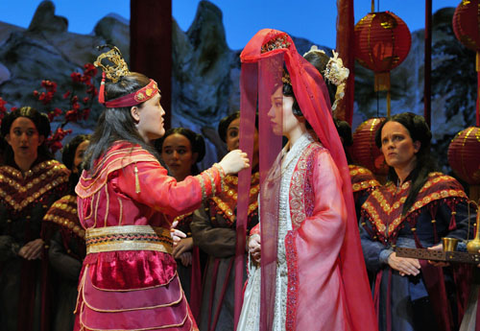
(137, 181)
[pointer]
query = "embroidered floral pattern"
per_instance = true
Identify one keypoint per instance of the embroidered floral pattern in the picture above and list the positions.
(301, 197)
(292, 282)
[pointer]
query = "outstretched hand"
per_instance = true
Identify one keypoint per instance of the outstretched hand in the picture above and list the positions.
(176, 234)
(234, 162)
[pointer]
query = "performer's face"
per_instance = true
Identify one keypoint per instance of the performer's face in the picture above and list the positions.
(398, 147)
(178, 156)
(79, 152)
(281, 113)
(24, 139)
(233, 131)
(149, 118)
(233, 141)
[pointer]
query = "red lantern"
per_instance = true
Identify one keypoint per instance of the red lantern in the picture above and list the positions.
(382, 42)
(467, 30)
(465, 24)
(463, 157)
(364, 151)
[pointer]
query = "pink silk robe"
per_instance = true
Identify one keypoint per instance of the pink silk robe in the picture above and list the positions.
(315, 293)
(135, 289)
(315, 298)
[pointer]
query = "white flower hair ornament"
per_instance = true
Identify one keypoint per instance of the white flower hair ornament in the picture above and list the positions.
(335, 73)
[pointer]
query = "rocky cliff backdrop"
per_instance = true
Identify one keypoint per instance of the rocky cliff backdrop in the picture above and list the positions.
(206, 73)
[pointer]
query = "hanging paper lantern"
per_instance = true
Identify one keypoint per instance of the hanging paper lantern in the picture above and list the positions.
(464, 155)
(364, 151)
(382, 42)
(465, 24)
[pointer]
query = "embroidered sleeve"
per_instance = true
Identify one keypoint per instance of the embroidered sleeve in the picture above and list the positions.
(164, 193)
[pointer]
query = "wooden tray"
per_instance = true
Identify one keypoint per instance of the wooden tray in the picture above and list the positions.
(425, 254)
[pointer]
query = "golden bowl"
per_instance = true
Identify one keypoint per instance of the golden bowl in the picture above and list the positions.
(450, 244)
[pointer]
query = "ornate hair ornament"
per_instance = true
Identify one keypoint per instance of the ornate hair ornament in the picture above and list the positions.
(334, 72)
(276, 43)
(286, 78)
(116, 71)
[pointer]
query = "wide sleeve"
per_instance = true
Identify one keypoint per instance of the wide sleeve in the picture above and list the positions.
(316, 244)
(215, 241)
(8, 248)
(374, 252)
(148, 183)
(323, 231)
(64, 264)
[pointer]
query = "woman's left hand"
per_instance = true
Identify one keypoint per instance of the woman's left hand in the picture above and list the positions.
(438, 247)
(177, 235)
(32, 250)
(186, 259)
(183, 246)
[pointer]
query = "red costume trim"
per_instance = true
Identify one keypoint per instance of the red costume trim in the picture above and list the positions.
(113, 160)
(226, 203)
(63, 212)
(44, 179)
(378, 210)
(362, 178)
(291, 253)
(135, 98)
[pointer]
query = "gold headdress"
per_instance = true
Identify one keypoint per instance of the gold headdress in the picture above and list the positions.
(116, 71)
(334, 72)
(119, 67)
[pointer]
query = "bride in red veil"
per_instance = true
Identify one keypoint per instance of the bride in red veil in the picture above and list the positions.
(306, 269)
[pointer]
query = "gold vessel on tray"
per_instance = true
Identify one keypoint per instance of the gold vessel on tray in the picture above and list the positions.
(473, 246)
(450, 244)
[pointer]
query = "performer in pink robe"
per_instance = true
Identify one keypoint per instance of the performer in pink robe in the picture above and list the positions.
(306, 267)
(126, 203)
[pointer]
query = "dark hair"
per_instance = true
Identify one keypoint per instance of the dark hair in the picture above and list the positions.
(227, 120)
(345, 132)
(319, 61)
(196, 142)
(117, 124)
(69, 150)
(68, 158)
(42, 124)
(288, 92)
(224, 123)
(425, 164)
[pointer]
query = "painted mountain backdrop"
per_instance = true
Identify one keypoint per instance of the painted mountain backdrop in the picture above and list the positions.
(206, 73)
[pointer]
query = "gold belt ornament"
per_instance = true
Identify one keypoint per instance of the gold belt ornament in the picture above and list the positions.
(128, 238)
